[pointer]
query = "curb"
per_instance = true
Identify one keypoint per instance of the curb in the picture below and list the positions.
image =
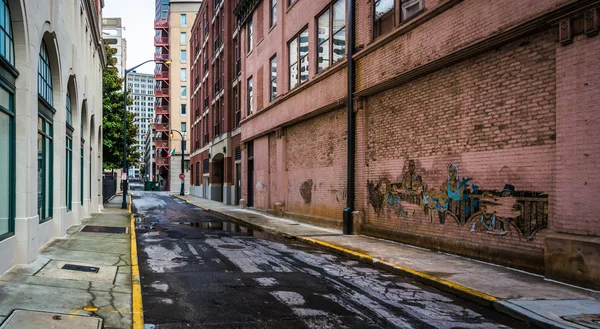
(444, 285)
(136, 289)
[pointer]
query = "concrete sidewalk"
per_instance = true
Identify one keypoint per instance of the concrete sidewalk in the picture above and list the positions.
(522, 295)
(44, 295)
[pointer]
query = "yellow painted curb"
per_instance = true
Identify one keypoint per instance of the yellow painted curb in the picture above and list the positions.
(415, 273)
(136, 289)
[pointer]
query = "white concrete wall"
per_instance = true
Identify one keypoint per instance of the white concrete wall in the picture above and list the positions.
(77, 65)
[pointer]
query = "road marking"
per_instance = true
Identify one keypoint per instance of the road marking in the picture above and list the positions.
(136, 289)
(192, 249)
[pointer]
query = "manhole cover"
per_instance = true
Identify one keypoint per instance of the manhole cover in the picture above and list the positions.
(80, 268)
(230, 246)
(586, 320)
(104, 229)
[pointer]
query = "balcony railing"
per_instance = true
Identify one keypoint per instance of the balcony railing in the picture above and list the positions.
(161, 41)
(161, 126)
(162, 144)
(161, 57)
(161, 109)
(162, 75)
(160, 161)
(161, 92)
(161, 24)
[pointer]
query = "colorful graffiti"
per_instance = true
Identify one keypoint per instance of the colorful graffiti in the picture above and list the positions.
(458, 200)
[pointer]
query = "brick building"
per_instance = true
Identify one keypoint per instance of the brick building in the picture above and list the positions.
(476, 124)
(215, 103)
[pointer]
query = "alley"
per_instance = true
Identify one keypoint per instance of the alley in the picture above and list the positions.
(200, 270)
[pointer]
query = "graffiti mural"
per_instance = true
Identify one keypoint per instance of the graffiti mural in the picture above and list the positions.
(462, 202)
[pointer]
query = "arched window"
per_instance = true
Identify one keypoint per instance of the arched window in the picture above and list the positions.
(44, 75)
(7, 49)
(7, 124)
(45, 136)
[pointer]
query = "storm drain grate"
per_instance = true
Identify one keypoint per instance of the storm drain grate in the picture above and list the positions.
(80, 268)
(104, 229)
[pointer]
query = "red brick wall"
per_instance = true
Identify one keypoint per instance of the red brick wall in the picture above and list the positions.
(261, 173)
(316, 165)
(578, 137)
(465, 23)
(492, 115)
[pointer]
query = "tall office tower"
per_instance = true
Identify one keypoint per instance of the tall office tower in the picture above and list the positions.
(171, 88)
(112, 31)
(141, 90)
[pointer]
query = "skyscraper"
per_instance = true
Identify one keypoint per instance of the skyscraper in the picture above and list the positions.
(141, 90)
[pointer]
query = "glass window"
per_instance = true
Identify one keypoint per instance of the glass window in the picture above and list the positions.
(183, 127)
(7, 49)
(249, 95)
(69, 112)
(69, 173)
(331, 50)
(383, 18)
(45, 159)
(183, 56)
(273, 12)
(7, 166)
(44, 75)
(250, 32)
(183, 75)
(183, 20)
(298, 50)
(290, 2)
(411, 8)
(183, 109)
(183, 91)
(183, 39)
(273, 78)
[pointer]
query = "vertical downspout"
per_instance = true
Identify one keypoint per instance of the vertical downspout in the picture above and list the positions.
(351, 120)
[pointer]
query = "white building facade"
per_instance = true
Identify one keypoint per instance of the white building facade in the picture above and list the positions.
(51, 61)
(141, 90)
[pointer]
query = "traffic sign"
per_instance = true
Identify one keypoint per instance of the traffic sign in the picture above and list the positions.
(182, 176)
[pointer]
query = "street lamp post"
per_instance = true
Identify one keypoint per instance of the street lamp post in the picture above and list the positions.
(181, 192)
(125, 173)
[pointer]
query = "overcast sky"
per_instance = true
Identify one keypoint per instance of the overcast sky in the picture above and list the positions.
(138, 19)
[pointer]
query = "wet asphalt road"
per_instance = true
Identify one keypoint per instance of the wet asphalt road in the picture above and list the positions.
(201, 271)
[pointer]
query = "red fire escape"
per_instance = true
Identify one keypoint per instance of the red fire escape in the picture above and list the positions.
(161, 104)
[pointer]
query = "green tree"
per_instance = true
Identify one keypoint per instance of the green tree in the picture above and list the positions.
(112, 121)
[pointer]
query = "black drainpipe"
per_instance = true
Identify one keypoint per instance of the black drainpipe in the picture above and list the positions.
(351, 121)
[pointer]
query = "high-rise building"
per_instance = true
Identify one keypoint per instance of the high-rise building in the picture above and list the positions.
(112, 32)
(141, 90)
(215, 103)
(172, 87)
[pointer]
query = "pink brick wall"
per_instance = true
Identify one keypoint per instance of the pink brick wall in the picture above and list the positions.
(578, 137)
(493, 115)
(316, 160)
(465, 23)
(261, 173)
